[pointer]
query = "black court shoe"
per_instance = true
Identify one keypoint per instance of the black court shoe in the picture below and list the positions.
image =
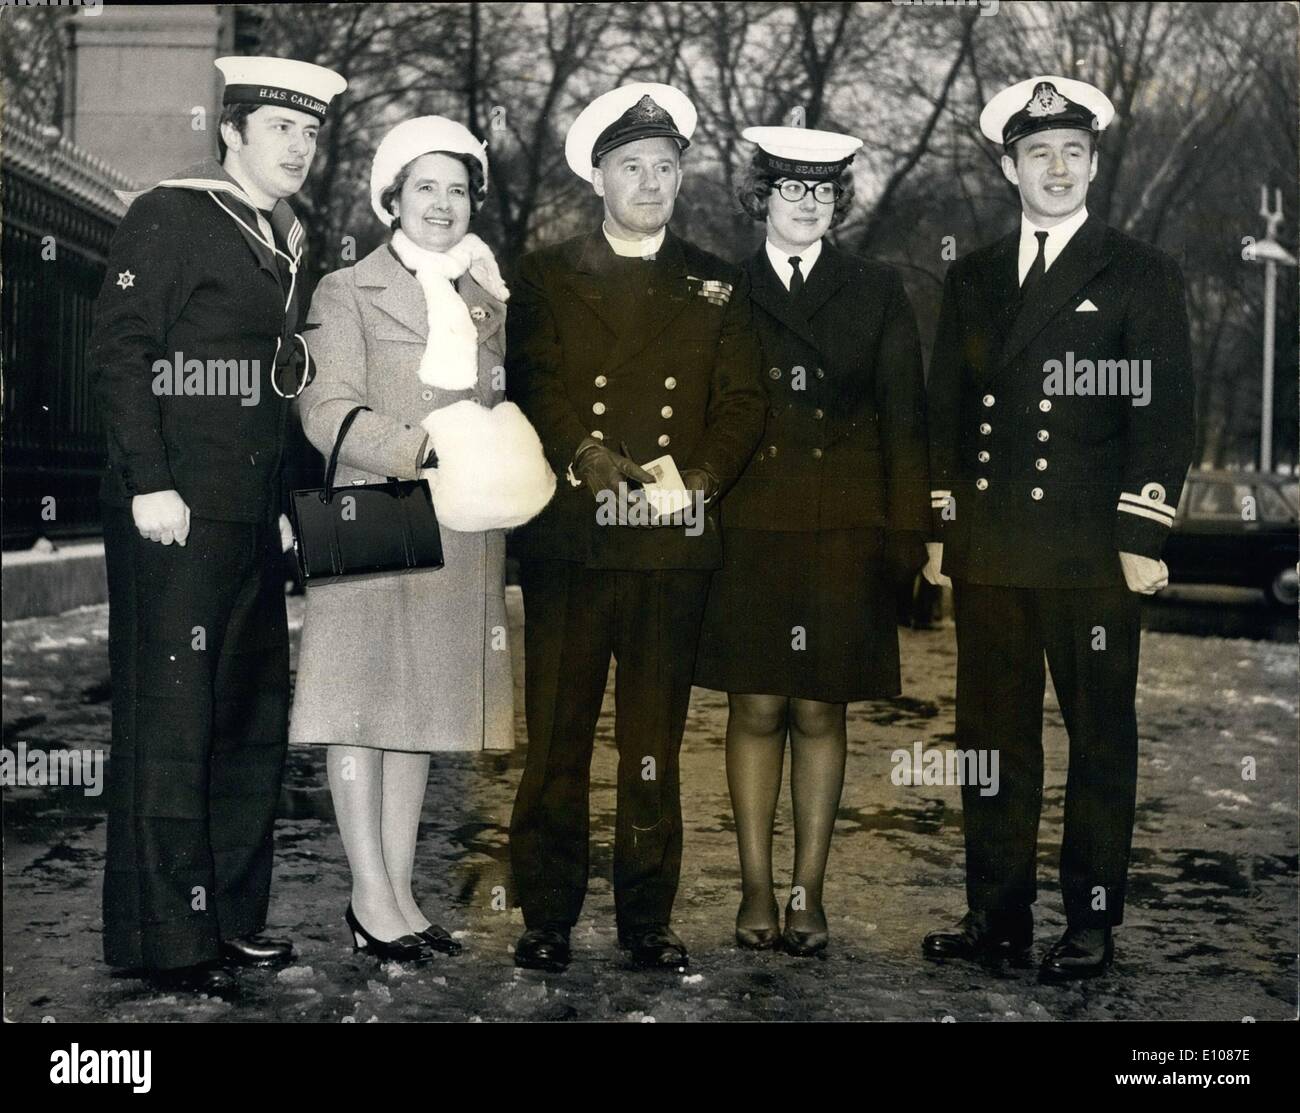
(440, 940)
(405, 948)
(804, 944)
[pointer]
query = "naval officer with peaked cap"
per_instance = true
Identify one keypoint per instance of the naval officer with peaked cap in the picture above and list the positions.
(1061, 425)
(204, 270)
(626, 344)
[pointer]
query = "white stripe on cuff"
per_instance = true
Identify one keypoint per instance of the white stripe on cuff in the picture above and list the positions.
(1144, 512)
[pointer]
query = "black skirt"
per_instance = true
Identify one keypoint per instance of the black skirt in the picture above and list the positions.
(805, 614)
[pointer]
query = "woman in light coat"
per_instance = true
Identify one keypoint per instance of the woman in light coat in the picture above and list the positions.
(394, 668)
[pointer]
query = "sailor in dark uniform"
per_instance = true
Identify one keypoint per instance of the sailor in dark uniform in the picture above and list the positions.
(829, 515)
(195, 356)
(626, 344)
(1061, 424)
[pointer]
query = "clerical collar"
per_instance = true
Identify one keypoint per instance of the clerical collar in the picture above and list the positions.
(635, 249)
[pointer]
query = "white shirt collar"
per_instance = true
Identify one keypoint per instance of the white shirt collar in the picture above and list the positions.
(635, 249)
(1057, 237)
(782, 265)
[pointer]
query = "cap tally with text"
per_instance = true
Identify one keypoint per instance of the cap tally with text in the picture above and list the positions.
(412, 138)
(1044, 102)
(280, 81)
(641, 110)
(786, 152)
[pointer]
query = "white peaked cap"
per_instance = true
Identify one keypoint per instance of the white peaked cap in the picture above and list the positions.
(671, 115)
(412, 138)
(1042, 102)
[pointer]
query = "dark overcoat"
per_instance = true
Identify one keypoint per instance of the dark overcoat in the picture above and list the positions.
(845, 443)
(678, 377)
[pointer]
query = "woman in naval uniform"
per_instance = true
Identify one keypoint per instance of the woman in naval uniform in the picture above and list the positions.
(826, 519)
(398, 667)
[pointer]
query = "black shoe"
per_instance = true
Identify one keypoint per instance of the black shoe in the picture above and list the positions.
(984, 935)
(405, 948)
(1082, 952)
(544, 948)
(440, 940)
(758, 939)
(256, 950)
(804, 944)
(206, 978)
(764, 938)
(654, 946)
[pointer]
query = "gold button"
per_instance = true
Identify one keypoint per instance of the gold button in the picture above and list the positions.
(985, 428)
(598, 434)
(426, 395)
(771, 450)
(667, 411)
(1045, 405)
(1036, 493)
(818, 415)
(984, 457)
(988, 399)
(1043, 435)
(981, 484)
(817, 453)
(774, 372)
(601, 380)
(598, 408)
(670, 383)
(664, 439)
(820, 373)
(1040, 464)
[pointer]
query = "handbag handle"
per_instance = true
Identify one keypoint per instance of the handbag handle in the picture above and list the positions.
(327, 492)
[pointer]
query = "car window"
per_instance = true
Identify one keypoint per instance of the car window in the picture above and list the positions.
(1271, 506)
(1217, 499)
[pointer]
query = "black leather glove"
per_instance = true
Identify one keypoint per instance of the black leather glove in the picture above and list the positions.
(603, 469)
(905, 555)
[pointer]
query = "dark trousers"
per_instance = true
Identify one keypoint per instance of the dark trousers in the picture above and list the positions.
(1002, 636)
(199, 653)
(574, 619)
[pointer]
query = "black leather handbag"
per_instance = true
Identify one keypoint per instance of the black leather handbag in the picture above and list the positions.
(363, 529)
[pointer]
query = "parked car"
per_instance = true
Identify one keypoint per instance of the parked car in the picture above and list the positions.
(1240, 528)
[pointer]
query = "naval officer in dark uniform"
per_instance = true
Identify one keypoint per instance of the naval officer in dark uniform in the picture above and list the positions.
(626, 344)
(195, 356)
(831, 511)
(1061, 424)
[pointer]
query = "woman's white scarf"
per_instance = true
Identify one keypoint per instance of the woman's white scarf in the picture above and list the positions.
(450, 359)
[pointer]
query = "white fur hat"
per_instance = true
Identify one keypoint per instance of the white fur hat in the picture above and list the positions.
(415, 137)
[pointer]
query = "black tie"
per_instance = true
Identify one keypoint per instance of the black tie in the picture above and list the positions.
(796, 278)
(1036, 270)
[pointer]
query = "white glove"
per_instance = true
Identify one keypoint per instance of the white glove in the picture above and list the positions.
(1142, 574)
(286, 533)
(162, 516)
(932, 570)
